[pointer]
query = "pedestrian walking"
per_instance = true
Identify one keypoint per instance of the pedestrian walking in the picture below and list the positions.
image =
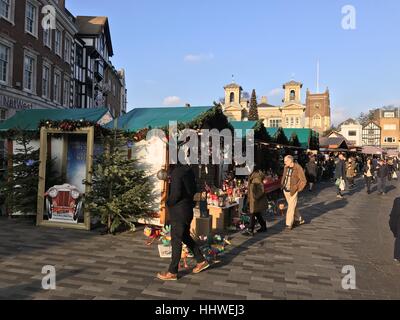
(350, 172)
(293, 182)
(311, 172)
(180, 206)
(340, 174)
(390, 166)
(394, 224)
(382, 173)
(368, 174)
(257, 199)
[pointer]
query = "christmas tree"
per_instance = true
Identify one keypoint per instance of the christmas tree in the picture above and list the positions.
(294, 140)
(120, 191)
(280, 137)
(253, 112)
(21, 186)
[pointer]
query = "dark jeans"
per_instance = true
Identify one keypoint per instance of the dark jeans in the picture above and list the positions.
(368, 182)
(180, 232)
(382, 185)
(397, 248)
(350, 181)
(260, 220)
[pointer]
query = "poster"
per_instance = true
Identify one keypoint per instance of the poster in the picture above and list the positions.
(76, 161)
(64, 203)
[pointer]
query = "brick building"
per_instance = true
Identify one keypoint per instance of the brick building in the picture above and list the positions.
(389, 121)
(36, 65)
(55, 67)
(314, 114)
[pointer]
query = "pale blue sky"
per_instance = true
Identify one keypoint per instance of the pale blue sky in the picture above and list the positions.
(189, 49)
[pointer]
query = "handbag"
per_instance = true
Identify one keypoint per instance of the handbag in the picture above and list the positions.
(342, 185)
(394, 175)
(337, 183)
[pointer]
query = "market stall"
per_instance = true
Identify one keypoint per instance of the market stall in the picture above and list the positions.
(153, 153)
(63, 157)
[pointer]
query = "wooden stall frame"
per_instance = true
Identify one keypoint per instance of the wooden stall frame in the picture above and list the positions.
(89, 132)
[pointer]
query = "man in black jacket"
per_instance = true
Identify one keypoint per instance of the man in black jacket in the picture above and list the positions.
(180, 205)
(382, 172)
(340, 172)
(394, 224)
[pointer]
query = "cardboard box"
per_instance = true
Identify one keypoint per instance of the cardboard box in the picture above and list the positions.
(201, 226)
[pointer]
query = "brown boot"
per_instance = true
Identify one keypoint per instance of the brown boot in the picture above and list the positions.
(201, 267)
(167, 276)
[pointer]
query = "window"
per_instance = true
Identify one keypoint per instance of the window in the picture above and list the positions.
(4, 63)
(297, 121)
(66, 93)
(292, 122)
(389, 127)
(57, 88)
(275, 123)
(46, 81)
(389, 115)
(317, 121)
(57, 42)
(352, 133)
(232, 97)
(31, 18)
(47, 37)
(3, 114)
(287, 122)
(102, 45)
(390, 140)
(29, 73)
(292, 95)
(5, 9)
(67, 50)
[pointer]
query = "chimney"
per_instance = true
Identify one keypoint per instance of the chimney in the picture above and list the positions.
(264, 100)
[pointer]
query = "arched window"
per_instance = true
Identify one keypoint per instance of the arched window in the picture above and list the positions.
(317, 121)
(232, 97)
(292, 95)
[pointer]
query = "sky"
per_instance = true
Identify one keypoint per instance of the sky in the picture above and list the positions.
(186, 51)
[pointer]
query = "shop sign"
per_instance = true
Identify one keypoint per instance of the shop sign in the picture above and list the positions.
(14, 103)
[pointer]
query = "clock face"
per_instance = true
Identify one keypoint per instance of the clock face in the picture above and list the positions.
(317, 106)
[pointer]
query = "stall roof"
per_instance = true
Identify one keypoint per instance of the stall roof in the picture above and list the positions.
(243, 125)
(372, 150)
(30, 119)
(142, 118)
(333, 143)
(302, 134)
(393, 153)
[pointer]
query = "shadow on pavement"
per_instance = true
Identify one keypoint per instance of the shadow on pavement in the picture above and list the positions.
(25, 291)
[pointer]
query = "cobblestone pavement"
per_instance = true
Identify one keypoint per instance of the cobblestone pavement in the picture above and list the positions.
(303, 264)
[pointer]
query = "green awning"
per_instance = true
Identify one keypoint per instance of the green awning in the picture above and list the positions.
(303, 135)
(142, 118)
(29, 120)
(244, 126)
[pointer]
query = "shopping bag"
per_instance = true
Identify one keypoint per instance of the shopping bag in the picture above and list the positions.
(342, 185)
(394, 175)
(337, 183)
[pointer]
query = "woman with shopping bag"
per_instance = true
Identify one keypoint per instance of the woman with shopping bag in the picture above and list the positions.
(340, 174)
